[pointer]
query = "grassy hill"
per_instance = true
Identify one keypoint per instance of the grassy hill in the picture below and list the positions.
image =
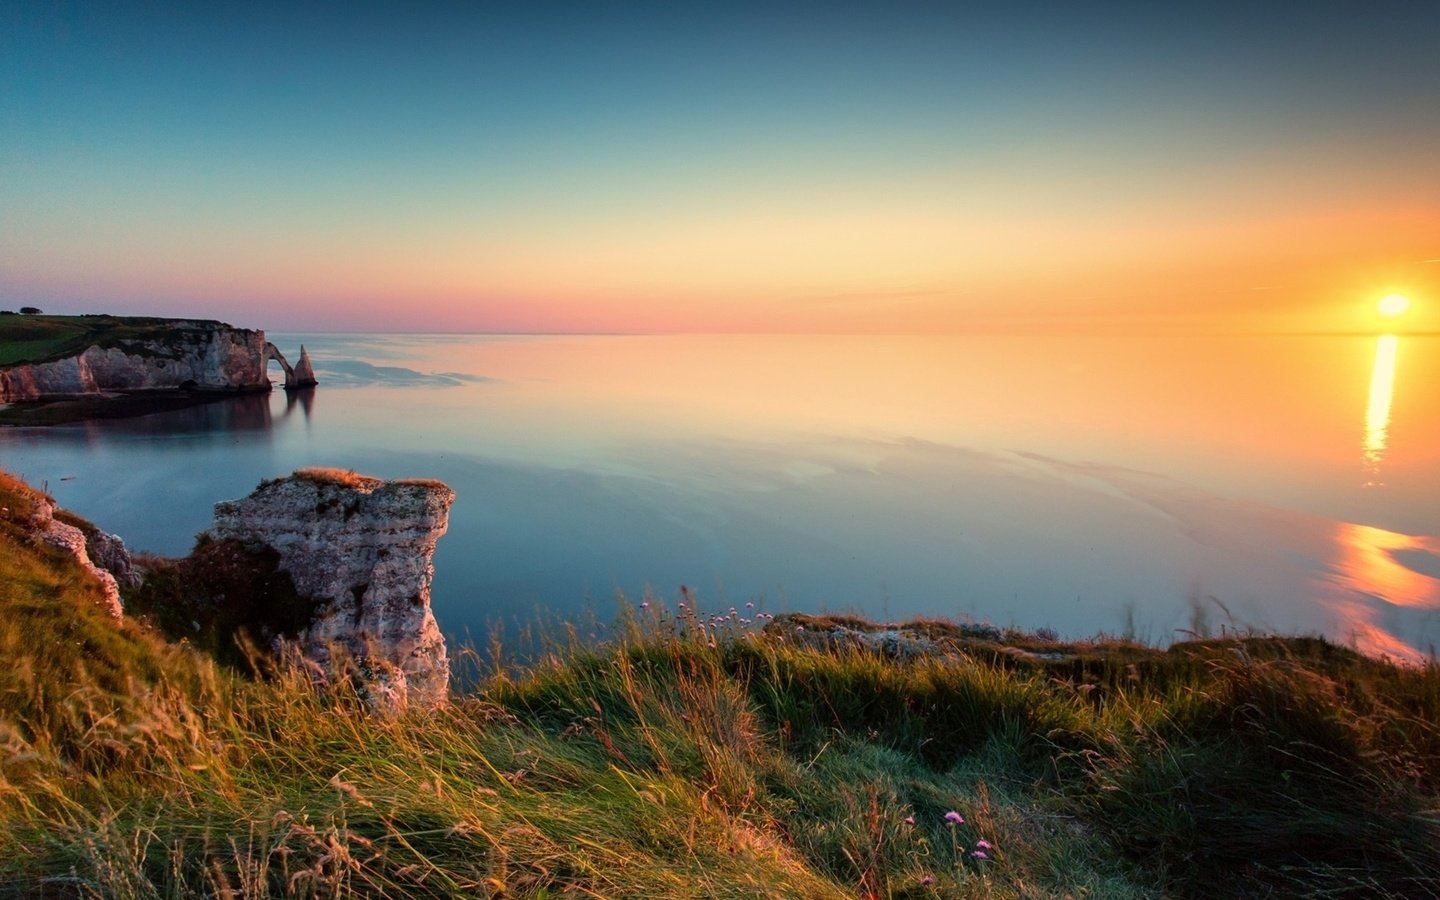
(41, 338)
(687, 759)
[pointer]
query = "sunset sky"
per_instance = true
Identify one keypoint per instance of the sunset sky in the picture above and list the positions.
(827, 167)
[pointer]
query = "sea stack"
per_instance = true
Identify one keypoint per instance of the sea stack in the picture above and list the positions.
(304, 374)
(362, 549)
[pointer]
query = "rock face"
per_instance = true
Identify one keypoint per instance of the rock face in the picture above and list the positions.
(363, 549)
(109, 552)
(304, 374)
(301, 375)
(110, 563)
(190, 354)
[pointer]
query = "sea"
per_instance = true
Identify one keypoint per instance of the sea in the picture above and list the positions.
(1158, 488)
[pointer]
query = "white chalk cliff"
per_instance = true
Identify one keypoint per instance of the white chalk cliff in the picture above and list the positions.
(191, 354)
(110, 564)
(363, 549)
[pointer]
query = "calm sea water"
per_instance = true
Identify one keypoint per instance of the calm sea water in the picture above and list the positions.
(1082, 484)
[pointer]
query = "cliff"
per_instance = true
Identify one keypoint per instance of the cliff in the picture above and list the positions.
(48, 357)
(103, 556)
(361, 549)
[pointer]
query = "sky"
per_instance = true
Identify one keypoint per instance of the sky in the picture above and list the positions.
(917, 168)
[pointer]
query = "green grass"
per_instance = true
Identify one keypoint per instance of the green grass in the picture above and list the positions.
(41, 338)
(685, 761)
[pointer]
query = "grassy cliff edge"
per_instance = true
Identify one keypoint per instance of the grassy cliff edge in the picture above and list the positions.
(42, 338)
(703, 757)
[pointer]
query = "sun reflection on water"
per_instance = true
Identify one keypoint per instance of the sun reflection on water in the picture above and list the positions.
(1369, 564)
(1377, 409)
(1384, 570)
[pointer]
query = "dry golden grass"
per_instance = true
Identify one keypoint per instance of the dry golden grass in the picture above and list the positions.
(342, 477)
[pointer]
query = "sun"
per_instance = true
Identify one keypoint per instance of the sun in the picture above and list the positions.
(1392, 305)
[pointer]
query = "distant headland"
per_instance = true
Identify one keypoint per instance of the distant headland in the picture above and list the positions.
(56, 369)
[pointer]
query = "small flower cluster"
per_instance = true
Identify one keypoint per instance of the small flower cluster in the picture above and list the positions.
(984, 850)
(749, 617)
(734, 616)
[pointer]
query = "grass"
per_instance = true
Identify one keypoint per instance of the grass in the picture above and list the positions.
(342, 477)
(696, 758)
(324, 475)
(41, 338)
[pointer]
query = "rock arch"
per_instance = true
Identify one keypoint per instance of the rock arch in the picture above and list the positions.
(300, 375)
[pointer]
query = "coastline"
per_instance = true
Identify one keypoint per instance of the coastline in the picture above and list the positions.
(57, 370)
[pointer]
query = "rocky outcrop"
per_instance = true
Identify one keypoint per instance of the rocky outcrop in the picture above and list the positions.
(918, 640)
(301, 375)
(102, 555)
(109, 552)
(304, 374)
(362, 549)
(173, 354)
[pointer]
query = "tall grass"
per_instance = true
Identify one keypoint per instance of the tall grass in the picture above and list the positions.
(688, 760)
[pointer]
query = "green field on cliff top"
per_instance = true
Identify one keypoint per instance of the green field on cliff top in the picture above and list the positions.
(685, 761)
(41, 338)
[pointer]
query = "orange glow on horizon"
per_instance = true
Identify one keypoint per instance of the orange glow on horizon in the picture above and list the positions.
(862, 263)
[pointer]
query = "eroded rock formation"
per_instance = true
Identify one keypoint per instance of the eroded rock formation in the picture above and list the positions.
(183, 354)
(102, 555)
(300, 375)
(304, 375)
(362, 548)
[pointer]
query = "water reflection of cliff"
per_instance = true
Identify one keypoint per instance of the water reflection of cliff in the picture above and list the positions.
(238, 414)
(301, 397)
